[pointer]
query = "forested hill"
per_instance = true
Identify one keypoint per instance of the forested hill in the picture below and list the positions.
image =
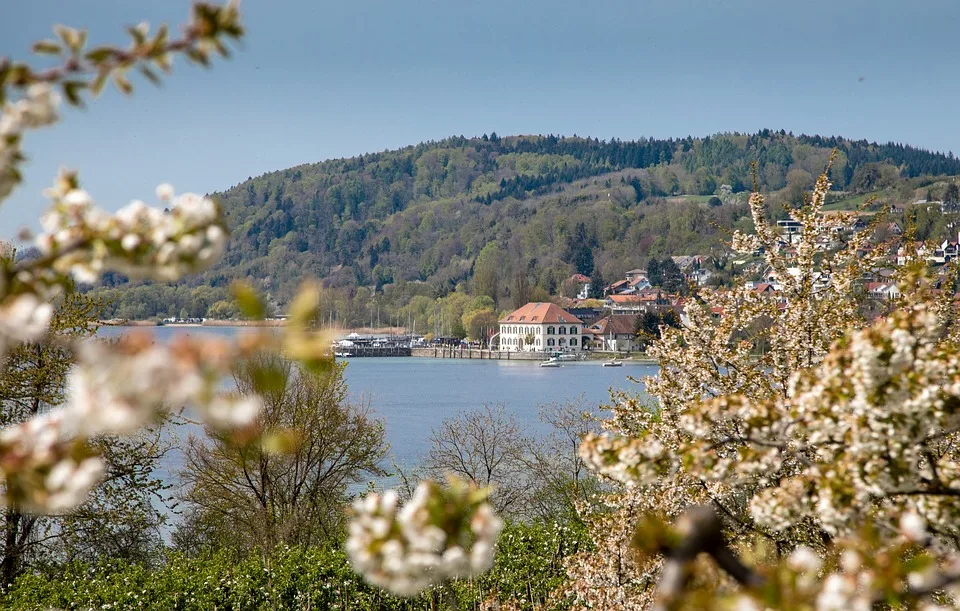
(541, 205)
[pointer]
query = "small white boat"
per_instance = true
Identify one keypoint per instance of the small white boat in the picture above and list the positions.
(550, 363)
(613, 363)
(569, 357)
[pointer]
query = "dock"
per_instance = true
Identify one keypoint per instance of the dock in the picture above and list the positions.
(463, 352)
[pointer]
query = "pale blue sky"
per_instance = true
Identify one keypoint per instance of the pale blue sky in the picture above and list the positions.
(320, 79)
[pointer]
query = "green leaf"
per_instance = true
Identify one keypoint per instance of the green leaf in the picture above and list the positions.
(150, 75)
(160, 40)
(122, 83)
(197, 56)
(305, 306)
(71, 91)
(249, 302)
(137, 35)
(47, 47)
(74, 39)
(99, 54)
(96, 87)
(268, 378)
(281, 442)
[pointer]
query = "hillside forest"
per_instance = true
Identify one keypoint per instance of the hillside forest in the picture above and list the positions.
(426, 234)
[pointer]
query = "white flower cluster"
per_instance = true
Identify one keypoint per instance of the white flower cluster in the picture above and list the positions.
(140, 241)
(118, 390)
(441, 533)
(23, 318)
(38, 108)
(44, 470)
(114, 389)
(624, 459)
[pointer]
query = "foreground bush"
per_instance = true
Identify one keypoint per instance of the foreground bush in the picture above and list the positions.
(528, 567)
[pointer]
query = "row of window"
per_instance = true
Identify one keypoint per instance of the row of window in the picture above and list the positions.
(516, 341)
(574, 330)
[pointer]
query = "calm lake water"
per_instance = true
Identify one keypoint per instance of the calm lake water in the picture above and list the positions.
(413, 395)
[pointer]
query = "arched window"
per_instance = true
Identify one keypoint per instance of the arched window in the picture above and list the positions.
(538, 341)
(562, 331)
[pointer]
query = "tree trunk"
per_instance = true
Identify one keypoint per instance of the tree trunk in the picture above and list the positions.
(12, 554)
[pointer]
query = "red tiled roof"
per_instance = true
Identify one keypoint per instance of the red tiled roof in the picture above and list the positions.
(579, 278)
(540, 313)
(615, 324)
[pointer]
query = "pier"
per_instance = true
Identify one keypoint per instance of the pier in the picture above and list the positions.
(463, 352)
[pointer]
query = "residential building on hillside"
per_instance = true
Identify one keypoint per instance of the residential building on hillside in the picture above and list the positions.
(647, 300)
(583, 285)
(790, 230)
(540, 327)
(614, 333)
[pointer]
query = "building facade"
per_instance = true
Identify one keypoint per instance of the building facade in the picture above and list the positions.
(541, 327)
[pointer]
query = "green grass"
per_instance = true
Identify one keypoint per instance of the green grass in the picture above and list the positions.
(853, 203)
(699, 199)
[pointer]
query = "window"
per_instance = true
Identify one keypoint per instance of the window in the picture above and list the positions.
(550, 332)
(538, 341)
(562, 331)
(573, 330)
(550, 342)
(563, 341)
(573, 341)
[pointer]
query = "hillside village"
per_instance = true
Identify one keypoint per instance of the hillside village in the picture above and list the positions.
(621, 316)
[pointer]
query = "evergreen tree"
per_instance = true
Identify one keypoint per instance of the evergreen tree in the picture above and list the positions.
(952, 195)
(654, 272)
(597, 285)
(673, 279)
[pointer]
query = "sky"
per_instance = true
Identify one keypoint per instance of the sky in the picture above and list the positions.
(317, 79)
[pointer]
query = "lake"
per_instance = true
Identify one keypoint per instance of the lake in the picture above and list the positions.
(413, 395)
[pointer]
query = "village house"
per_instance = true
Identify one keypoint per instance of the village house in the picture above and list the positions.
(647, 300)
(790, 230)
(617, 287)
(583, 285)
(883, 290)
(540, 327)
(614, 333)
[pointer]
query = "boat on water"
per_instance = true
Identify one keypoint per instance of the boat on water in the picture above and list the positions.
(613, 363)
(551, 362)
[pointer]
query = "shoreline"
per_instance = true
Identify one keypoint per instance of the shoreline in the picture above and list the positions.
(206, 323)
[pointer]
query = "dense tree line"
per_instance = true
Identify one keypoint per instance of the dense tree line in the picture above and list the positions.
(423, 214)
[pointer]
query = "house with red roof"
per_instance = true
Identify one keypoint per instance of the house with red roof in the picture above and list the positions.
(541, 327)
(615, 333)
(583, 285)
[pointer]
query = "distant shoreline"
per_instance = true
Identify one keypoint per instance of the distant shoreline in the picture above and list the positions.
(206, 323)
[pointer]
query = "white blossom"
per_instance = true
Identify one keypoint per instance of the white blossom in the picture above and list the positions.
(439, 534)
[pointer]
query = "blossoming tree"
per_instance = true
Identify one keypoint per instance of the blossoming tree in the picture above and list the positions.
(791, 452)
(48, 463)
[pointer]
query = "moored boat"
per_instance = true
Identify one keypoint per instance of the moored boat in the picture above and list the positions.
(551, 362)
(613, 363)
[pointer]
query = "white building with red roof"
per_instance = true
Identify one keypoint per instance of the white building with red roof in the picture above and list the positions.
(541, 327)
